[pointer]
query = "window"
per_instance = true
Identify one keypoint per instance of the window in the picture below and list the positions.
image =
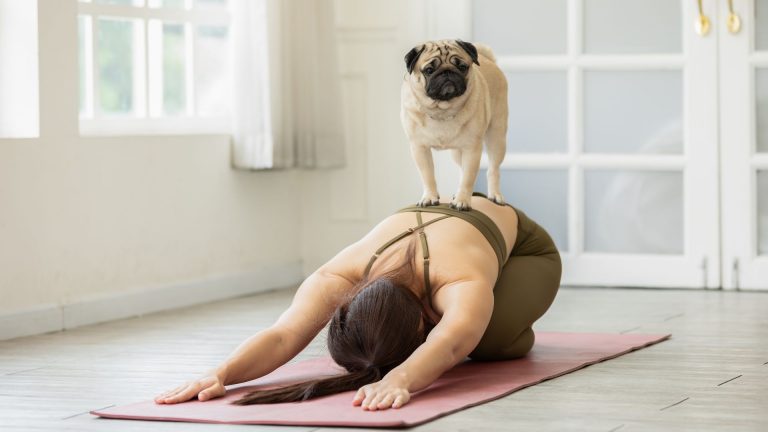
(153, 66)
(18, 69)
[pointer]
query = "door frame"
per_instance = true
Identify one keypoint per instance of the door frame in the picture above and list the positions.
(743, 268)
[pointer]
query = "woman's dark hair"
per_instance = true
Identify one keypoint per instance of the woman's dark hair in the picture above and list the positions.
(368, 335)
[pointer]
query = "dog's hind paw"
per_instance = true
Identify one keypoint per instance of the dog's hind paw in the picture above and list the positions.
(428, 200)
(496, 197)
(460, 204)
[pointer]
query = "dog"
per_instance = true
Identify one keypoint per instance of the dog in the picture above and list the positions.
(454, 96)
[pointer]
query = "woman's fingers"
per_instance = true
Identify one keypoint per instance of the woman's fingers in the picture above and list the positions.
(170, 393)
(359, 397)
(212, 391)
(183, 395)
(385, 402)
(207, 387)
(369, 395)
(373, 404)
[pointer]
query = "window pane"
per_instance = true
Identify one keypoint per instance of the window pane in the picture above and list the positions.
(633, 212)
(120, 2)
(174, 77)
(633, 112)
(18, 70)
(538, 112)
(81, 30)
(210, 3)
(114, 45)
(547, 203)
(631, 26)
(167, 3)
(761, 118)
(212, 71)
(521, 26)
(762, 212)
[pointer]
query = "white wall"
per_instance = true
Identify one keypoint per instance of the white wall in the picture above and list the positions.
(81, 217)
(84, 218)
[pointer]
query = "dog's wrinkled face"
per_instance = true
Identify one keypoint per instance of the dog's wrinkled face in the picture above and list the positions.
(442, 67)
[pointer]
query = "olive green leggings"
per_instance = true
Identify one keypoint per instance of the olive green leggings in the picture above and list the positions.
(525, 289)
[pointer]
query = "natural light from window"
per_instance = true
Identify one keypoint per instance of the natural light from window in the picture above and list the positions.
(154, 66)
(19, 102)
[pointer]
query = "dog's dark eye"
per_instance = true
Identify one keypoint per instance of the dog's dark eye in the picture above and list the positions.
(463, 67)
(429, 70)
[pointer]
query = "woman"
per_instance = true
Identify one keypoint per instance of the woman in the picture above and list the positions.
(400, 318)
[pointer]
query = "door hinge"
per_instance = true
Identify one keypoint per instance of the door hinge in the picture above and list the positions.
(704, 272)
(735, 273)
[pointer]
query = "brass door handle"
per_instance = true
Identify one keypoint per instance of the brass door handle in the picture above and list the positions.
(734, 21)
(702, 22)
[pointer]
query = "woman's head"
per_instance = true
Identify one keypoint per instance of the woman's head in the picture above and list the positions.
(372, 333)
(378, 329)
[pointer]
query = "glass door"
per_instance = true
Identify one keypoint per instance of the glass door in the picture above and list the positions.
(612, 143)
(744, 141)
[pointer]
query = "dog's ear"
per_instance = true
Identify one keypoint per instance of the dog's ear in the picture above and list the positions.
(470, 49)
(412, 56)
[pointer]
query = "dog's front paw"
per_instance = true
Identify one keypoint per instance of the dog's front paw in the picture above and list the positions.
(428, 199)
(461, 202)
(496, 197)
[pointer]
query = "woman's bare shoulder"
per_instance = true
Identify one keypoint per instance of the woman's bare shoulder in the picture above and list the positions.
(351, 261)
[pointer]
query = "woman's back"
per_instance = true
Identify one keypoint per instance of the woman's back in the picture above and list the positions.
(458, 251)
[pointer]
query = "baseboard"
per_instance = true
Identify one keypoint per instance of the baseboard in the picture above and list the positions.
(112, 306)
(36, 320)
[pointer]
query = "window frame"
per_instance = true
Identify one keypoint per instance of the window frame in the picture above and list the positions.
(147, 117)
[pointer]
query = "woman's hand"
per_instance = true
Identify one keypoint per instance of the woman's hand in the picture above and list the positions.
(389, 392)
(208, 387)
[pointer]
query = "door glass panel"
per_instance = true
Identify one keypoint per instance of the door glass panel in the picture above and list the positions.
(761, 25)
(762, 212)
(515, 27)
(546, 202)
(631, 26)
(633, 112)
(538, 112)
(761, 110)
(633, 211)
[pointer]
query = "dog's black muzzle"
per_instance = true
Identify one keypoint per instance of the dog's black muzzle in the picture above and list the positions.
(446, 85)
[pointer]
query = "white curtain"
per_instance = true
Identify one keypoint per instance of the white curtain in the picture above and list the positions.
(287, 92)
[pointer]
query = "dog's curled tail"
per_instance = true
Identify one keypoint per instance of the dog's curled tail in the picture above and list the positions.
(486, 51)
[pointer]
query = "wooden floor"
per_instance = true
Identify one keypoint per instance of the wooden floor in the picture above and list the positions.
(712, 374)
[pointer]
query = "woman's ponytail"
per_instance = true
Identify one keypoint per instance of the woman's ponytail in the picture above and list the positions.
(312, 389)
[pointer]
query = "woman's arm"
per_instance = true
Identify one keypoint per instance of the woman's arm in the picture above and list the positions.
(467, 314)
(312, 307)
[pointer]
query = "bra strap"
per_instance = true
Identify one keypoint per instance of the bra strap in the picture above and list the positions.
(398, 238)
(425, 253)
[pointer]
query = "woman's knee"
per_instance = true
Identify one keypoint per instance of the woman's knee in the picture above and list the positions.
(503, 350)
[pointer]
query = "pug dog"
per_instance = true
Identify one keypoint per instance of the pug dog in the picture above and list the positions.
(454, 96)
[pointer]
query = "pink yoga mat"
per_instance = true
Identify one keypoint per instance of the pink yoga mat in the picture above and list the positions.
(468, 384)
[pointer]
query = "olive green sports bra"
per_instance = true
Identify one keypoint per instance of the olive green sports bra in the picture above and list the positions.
(477, 218)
